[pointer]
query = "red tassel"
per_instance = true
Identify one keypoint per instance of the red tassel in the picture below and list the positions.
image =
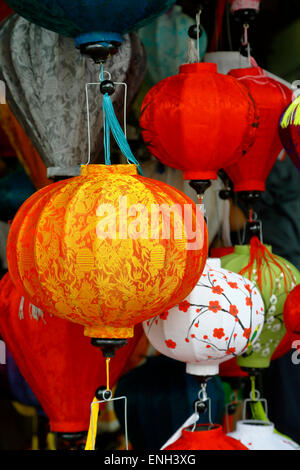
(260, 254)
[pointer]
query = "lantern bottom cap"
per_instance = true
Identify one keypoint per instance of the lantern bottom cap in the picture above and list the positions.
(202, 369)
(200, 175)
(253, 363)
(108, 332)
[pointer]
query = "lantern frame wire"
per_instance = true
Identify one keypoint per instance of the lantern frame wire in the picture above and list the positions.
(106, 400)
(202, 398)
(255, 397)
(88, 110)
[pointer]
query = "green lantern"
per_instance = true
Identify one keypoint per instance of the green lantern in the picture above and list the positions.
(275, 277)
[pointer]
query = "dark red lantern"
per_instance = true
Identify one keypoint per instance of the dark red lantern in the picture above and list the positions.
(205, 437)
(271, 98)
(198, 121)
(58, 362)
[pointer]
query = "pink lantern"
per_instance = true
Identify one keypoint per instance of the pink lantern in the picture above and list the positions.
(220, 319)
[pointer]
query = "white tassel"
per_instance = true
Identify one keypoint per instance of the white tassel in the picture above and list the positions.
(192, 54)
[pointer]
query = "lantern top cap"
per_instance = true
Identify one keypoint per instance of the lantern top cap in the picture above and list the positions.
(99, 170)
(214, 431)
(245, 249)
(243, 72)
(198, 67)
(250, 425)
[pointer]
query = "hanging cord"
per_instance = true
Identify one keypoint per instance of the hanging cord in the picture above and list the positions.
(245, 42)
(193, 53)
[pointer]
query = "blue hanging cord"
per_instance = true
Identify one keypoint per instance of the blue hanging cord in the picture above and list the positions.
(111, 124)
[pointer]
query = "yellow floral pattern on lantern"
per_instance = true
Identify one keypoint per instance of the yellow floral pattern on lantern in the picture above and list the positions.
(110, 284)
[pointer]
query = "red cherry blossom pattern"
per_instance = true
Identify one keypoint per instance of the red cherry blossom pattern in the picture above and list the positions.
(248, 301)
(170, 343)
(164, 315)
(230, 351)
(233, 310)
(247, 332)
(217, 290)
(214, 306)
(184, 306)
(248, 287)
(233, 285)
(187, 340)
(205, 337)
(218, 333)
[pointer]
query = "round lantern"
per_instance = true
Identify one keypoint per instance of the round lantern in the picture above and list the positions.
(291, 311)
(110, 249)
(275, 278)
(289, 130)
(258, 435)
(91, 22)
(188, 124)
(205, 437)
(270, 97)
(57, 361)
(221, 317)
(40, 105)
(291, 317)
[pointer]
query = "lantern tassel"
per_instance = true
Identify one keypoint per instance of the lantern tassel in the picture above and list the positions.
(259, 255)
(291, 116)
(91, 437)
(111, 123)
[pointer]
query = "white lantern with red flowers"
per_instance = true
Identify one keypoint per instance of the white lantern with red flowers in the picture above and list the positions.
(221, 318)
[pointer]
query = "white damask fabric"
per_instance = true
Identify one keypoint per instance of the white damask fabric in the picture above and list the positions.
(45, 77)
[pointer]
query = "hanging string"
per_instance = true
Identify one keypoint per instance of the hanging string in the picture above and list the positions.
(111, 124)
(107, 373)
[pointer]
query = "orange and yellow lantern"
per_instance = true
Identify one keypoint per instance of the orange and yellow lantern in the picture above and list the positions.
(109, 249)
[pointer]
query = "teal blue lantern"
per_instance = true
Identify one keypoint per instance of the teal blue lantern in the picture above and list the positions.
(96, 25)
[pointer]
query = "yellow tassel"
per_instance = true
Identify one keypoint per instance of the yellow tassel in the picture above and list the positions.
(51, 441)
(91, 438)
(291, 114)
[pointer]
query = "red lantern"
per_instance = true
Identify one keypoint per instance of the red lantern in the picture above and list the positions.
(198, 121)
(291, 317)
(271, 98)
(205, 437)
(58, 362)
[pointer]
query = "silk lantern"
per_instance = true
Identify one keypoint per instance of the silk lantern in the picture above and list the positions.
(97, 263)
(50, 107)
(291, 317)
(57, 361)
(187, 124)
(275, 278)
(98, 24)
(221, 317)
(205, 437)
(270, 97)
(258, 435)
(289, 130)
